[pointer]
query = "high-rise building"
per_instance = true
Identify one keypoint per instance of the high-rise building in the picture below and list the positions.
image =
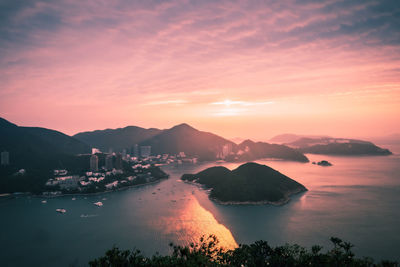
(118, 161)
(145, 151)
(226, 150)
(94, 163)
(123, 153)
(109, 162)
(135, 151)
(5, 158)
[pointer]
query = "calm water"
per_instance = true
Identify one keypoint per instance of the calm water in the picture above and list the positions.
(357, 199)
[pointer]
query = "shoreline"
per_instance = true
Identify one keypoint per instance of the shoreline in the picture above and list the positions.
(261, 202)
(83, 194)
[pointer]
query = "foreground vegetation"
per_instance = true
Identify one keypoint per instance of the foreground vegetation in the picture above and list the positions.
(209, 253)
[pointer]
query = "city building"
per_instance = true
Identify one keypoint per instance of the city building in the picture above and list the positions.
(135, 151)
(226, 150)
(118, 162)
(109, 162)
(5, 158)
(94, 163)
(145, 151)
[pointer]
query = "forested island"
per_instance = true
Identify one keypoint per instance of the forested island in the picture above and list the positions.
(338, 146)
(250, 183)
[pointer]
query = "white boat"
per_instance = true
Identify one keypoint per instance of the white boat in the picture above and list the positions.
(44, 201)
(73, 198)
(61, 210)
(99, 204)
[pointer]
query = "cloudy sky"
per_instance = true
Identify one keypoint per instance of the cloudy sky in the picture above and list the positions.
(237, 68)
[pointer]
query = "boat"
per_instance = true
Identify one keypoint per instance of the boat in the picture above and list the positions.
(73, 198)
(44, 201)
(99, 204)
(61, 210)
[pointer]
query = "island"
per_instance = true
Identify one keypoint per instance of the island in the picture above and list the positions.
(338, 146)
(324, 163)
(250, 183)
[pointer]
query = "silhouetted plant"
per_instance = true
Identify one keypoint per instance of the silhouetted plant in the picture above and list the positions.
(208, 253)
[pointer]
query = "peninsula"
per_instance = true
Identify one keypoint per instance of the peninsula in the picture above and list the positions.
(250, 183)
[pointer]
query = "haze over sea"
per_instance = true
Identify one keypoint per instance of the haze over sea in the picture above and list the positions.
(357, 199)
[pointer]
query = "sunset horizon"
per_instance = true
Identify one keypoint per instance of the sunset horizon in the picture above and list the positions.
(200, 133)
(234, 68)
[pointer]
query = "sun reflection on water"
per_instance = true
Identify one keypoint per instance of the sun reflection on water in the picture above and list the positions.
(190, 221)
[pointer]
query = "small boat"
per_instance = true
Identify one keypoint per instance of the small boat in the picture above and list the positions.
(99, 204)
(44, 201)
(61, 210)
(104, 198)
(73, 198)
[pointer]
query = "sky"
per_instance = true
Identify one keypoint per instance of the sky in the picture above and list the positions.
(249, 69)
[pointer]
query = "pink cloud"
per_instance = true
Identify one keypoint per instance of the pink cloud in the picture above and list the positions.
(152, 60)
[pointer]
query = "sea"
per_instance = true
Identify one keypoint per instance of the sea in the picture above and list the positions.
(357, 199)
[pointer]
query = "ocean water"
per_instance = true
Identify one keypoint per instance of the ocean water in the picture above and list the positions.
(357, 199)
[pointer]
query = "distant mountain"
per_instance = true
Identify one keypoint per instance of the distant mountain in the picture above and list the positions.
(308, 141)
(337, 146)
(184, 138)
(288, 138)
(117, 139)
(237, 140)
(62, 142)
(250, 183)
(249, 150)
(28, 145)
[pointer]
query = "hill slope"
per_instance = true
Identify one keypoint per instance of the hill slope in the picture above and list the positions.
(29, 146)
(185, 138)
(256, 150)
(117, 139)
(38, 151)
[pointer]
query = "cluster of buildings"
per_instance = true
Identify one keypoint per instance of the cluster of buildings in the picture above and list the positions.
(142, 154)
(112, 170)
(225, 151)
(112, 161)
(66, 181)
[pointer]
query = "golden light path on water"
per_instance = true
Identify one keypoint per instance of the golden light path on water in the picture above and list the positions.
(191, 222)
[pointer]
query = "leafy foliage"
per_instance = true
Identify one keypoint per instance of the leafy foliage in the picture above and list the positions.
(208, 253)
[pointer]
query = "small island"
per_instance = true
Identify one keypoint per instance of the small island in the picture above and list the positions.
(250, 183)
(323, 163)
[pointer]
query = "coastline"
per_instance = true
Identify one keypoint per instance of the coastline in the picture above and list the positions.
(82, 194)
(261, 202)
